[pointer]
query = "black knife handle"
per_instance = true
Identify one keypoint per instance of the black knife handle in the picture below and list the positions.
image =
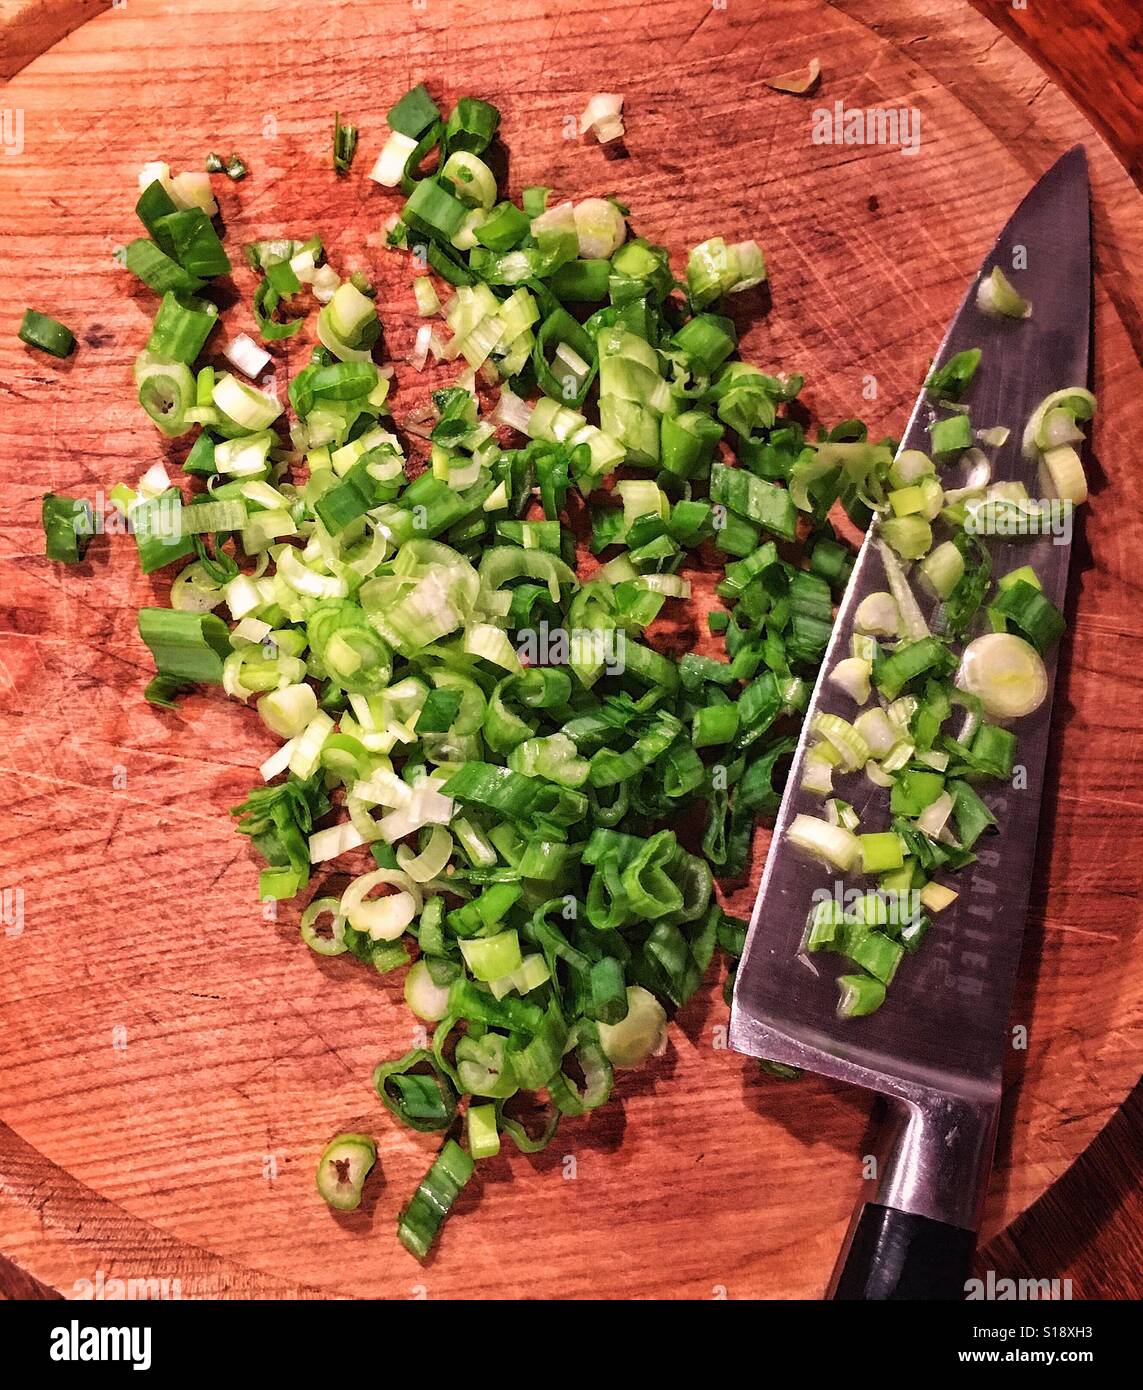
(895, 1254)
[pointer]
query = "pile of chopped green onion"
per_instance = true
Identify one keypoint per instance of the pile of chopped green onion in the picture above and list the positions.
(462, 690)
(924, 676)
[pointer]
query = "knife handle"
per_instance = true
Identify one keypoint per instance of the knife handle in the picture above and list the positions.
(895, 1254)
(915, 1235)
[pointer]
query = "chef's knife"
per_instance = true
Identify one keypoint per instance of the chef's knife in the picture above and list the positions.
(934, 1049)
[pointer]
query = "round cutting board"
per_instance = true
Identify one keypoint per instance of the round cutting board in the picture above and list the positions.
(173, 1060)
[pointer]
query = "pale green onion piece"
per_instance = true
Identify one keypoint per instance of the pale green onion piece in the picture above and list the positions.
(428, 301)
(245, 405)
(851, 674)
(289, 710)
(639, 1034)
(1053, 422)
(474, 181)
(935, 897)
(306, 581)
(308, 745)
(483, 1131)
(600, 228)
(995, 295)
(332, 945)
(941, 570)
(385, 918)
(838, 847)
(845, 738)
(910, 536)
(431, 861)
(878, 616)
(427, 999)
(1066, 472)
(334, 840)
(491, 957)
(909, 467)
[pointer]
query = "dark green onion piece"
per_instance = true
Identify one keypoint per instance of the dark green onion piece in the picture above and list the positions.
(48, 334)
(344, 144)
(414, 113)
(181, 328)
(952, 380)
(69, 525)
(156, 269)
(186, 646)
(189, 238)
(423, 1101)
(419, 1223)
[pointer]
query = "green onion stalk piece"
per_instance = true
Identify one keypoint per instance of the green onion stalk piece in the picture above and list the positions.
(342, 1169)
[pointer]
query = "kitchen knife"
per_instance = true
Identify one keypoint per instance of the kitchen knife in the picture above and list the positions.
(934, 1049)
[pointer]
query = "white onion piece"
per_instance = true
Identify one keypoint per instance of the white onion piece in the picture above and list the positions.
(245, 354)
(333, 841)
(512, 411)
(390, 163)
(851, 674)
(154, 481)
(277, 762)
(325, 283)
(420, 353)
(603, 115)
(1005, 673)
(600, 227)
(193, 190)
(934, 817)
(878, 615)
(912, 619)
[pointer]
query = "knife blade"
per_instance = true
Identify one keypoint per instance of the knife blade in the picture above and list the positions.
(935, 1047)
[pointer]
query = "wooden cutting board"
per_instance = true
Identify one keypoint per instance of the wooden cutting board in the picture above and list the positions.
(173, 1061)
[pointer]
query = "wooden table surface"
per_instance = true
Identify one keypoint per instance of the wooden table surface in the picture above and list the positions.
(1088, 1226)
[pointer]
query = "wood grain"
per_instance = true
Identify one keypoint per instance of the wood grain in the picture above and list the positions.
(1094, 50)
(183, 1145)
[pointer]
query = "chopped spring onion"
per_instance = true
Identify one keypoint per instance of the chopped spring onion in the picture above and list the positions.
(342, 1169)
(344, 144)
(603, 116)
(48, 334)
(455, 694)
(245, 354)
(69, 525)
(1005, 674)
(995, 295)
